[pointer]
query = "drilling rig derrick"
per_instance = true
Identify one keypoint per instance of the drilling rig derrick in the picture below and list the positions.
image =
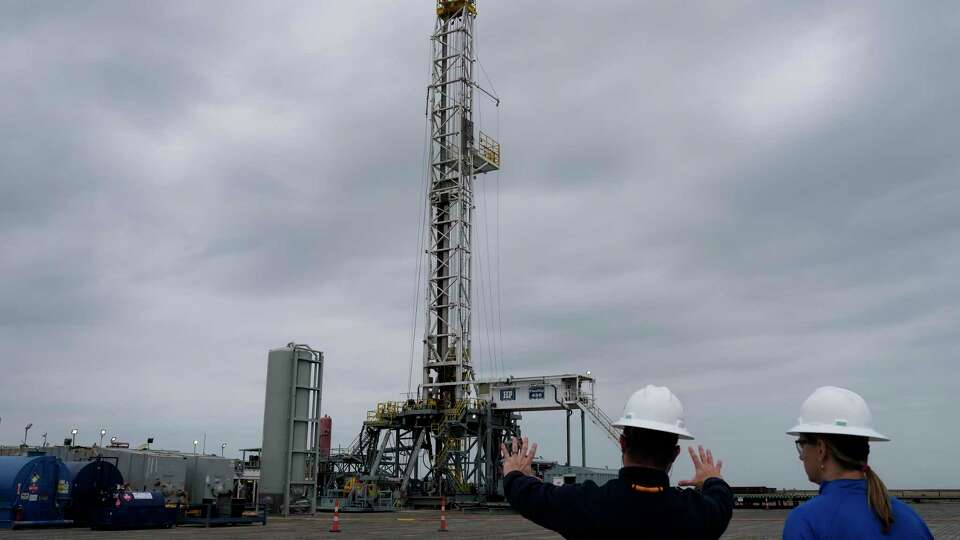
(445, 440)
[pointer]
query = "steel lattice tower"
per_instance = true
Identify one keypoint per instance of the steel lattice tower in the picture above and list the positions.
(443, 443)
(454, 163)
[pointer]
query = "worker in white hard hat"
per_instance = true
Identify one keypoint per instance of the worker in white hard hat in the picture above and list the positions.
(833, 433)
(640, 499)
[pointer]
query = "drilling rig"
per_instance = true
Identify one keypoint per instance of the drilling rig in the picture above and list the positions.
(444, 440)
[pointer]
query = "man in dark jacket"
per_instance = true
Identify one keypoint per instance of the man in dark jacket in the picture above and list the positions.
(641, 500)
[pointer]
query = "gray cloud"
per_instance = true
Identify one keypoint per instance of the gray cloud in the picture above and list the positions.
(742, 202)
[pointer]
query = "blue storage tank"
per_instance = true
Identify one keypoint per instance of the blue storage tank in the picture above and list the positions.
(93, 485)
(135, 510)
(33, 491)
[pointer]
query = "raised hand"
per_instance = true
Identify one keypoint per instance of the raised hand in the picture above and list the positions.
(703, 466)
(521, 459)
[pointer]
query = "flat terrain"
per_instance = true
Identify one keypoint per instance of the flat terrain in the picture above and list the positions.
(943, 519)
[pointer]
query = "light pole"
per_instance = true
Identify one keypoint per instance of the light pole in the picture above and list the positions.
(44, 440)
(73, 433)
(103, 433)
(195, 443)
(223, 446)
(25, 430)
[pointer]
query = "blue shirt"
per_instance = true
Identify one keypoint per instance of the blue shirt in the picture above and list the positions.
(841, 511)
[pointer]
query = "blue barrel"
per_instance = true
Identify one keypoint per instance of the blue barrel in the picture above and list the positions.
(93, 485)
(33, 491)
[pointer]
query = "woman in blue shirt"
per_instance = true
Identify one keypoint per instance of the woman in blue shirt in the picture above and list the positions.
(833, 439)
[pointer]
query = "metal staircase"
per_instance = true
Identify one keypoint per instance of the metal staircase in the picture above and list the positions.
(600, 418)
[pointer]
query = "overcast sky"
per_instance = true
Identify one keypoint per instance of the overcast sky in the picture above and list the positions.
(740, 200)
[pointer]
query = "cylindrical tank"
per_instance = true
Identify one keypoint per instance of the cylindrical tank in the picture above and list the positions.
(33, 489)
(326, 431)
(288, 402)
(134, 510)
(93, 484)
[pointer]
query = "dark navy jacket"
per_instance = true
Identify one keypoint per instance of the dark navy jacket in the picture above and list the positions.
(842, 512)
(640, 502)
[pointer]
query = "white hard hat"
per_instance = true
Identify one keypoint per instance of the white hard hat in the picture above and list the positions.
(655, 408)
(836, 411)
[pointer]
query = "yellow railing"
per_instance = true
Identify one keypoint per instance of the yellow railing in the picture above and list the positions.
(388, 410)
(448, 8)
(385, 412)
(489, 149)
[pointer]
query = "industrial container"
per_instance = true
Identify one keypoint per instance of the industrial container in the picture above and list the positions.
(181, 478)
(210, 479)
(326, 433)
(152, 470)
(135, 510)
(33, 491)
(93, 485)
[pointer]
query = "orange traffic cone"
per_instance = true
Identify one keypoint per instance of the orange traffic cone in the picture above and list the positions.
(443, 514)
(336, 516)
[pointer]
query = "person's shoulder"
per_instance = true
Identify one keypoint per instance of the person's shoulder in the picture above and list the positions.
(799, 523)
(590, 487)
(810, 510)
(810, 507)
(897, 504)
(693, 500)
(903, 510)
(613, 483)
(574, 489)
(802, 512)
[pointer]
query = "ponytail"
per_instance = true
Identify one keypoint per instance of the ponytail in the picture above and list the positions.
(851, 454)
(878, 498)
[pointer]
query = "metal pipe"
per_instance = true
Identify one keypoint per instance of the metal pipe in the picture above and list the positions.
(569, 412)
